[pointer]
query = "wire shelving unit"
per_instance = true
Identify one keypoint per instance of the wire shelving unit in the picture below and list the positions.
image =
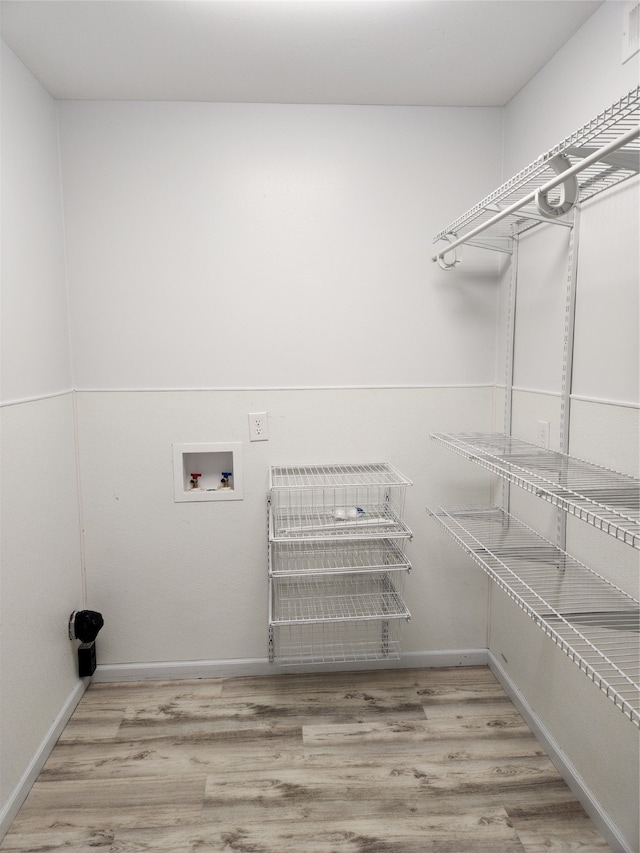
(337, 642)
(605, 499)
(329, 477)
(315, 502)
(594, 622)
(602, 153)
(590, 619)
(300, 559)
(317, 523)
(336, 562)
(339, 599)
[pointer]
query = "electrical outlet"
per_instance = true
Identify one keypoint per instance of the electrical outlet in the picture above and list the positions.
(258, 426)
(542, 437)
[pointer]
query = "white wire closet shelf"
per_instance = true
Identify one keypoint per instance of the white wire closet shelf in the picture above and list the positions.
(320, 502)
(601, 154)
(605, 499)
(326, 476)
(336, 642)
(594, 622)
(297, 558)
(314, 523)
(339, 599)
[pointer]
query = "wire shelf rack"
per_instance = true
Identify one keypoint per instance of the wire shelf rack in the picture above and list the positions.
(603, 498)
(323, 476)
(596, 624)
(317, 502)
(321, 522)
(336, 562)
(336, 642)
(307, 558)
(615, 123)
(339, 598)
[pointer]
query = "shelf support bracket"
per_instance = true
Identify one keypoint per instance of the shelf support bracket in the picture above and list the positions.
(504, 245)
(446, 265)
(530, 213)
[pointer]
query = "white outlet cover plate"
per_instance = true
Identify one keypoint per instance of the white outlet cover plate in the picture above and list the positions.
(258, 426)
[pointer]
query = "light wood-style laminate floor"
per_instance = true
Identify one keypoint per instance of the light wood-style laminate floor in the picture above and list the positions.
(401, 761)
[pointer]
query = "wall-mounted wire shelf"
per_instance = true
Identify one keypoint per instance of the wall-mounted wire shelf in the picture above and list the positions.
(296, 558)
(339, 598)
(601, 154)
(336, 642)
(315, 523)
(596, 624)
(603, 498)
(315, 502)
(335, 476)
(336, 562)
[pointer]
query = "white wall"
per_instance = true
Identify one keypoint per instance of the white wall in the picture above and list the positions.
(40, 572)
(540, 309)
(239, 245)
(273, 248)
(35, 329)
(607, 344)
(217, 246)
(41, 585)
(182, 582)
(592, 736)
(585, 77)
(591, 731)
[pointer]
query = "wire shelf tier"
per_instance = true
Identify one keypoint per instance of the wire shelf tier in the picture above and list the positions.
(327, 476)
(596, 624)
(307, 558)
(315, 523)
(345, 501)
(336, 642)
(616, 122)
(338, 598)
(603, 498)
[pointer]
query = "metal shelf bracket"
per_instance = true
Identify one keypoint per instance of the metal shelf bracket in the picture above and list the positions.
(449, 265)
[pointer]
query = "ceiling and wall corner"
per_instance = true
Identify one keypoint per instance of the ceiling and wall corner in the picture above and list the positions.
(386, 52)
(35, 329)
(578, 83)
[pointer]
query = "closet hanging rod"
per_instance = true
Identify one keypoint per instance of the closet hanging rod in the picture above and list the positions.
(600, 154)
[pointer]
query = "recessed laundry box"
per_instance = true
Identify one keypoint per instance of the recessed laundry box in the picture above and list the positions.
(207, 471)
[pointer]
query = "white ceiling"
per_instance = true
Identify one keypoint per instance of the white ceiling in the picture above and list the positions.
(413, 52)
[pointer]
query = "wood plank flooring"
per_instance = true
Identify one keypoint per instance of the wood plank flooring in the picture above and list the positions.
(402, 761)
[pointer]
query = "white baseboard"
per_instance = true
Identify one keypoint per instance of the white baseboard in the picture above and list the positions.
(174, 670)
(450, 657)
(19, 794)
(565, 767)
